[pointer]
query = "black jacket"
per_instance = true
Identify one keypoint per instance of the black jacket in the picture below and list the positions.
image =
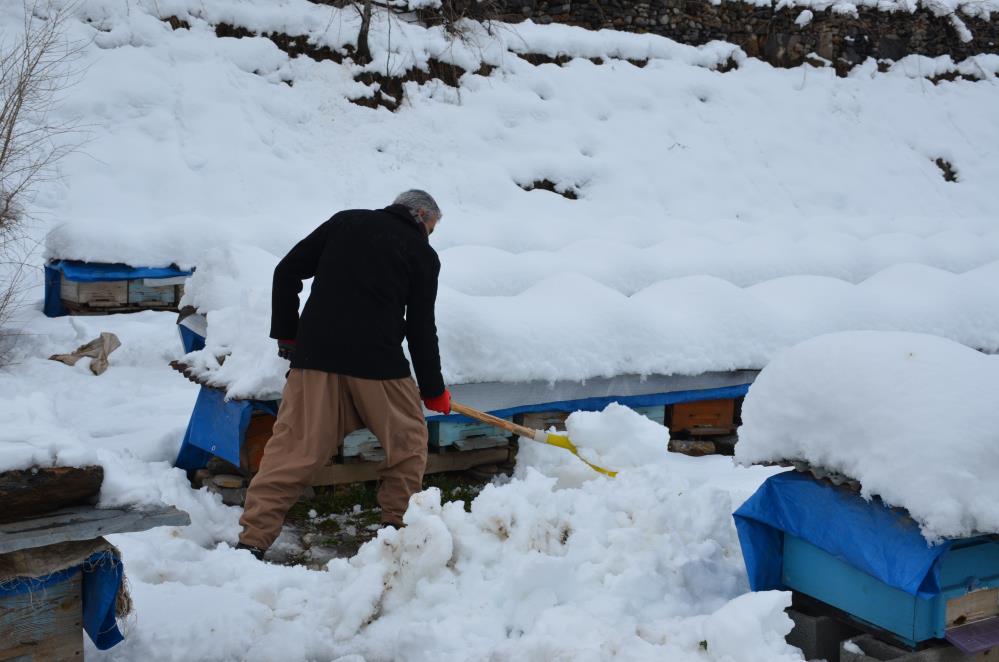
(375, 283)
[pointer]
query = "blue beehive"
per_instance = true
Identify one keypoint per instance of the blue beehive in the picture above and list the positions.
(871, 562)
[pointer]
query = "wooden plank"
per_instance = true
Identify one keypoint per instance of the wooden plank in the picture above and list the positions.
(97, 294)
(656, 413)
(44, 625)
(543, 420)
(360, 442)
(971, 607)
(359, 472)
(85, 523)
(706, 416)
(141, 292)
(258, 433)
(30, 492)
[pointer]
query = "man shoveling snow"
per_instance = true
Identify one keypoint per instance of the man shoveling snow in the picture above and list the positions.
(375, 284)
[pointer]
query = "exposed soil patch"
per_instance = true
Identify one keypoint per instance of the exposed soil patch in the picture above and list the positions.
(548, 185)
(948, 170)
(340, 519)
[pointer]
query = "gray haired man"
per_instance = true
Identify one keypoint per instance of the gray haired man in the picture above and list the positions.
(375, 283)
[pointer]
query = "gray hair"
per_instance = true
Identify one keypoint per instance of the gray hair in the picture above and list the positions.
(416, 200)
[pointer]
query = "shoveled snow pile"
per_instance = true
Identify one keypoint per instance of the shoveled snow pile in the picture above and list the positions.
(569, 566)
(913, 417)
(557, 563)
(617, 438)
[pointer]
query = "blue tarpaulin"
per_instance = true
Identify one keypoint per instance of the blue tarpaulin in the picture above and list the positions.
(598, 404)
(94, 271)
(102, 575)
(191, 341)
(883, 542)
(217, 427)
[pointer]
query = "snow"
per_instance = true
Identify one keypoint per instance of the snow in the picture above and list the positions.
(616, 438)
(912, 417)
(556, 563)
(722, 218)
(685, 325)
(700, 192)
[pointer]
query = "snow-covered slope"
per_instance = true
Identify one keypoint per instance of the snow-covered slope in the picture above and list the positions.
(720, 217)
(696, 189)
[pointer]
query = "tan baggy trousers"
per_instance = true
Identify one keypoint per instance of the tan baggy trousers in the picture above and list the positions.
(317, 410)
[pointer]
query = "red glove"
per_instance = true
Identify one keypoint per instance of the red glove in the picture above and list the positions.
(440, 403)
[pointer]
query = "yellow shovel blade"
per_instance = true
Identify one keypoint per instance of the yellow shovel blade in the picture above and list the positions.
(564, 442)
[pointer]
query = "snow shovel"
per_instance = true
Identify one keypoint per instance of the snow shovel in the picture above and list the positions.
(549, 438)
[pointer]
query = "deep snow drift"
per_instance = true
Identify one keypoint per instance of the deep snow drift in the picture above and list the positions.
(912, 417)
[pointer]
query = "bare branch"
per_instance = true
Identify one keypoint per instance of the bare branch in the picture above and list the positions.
(35, 66)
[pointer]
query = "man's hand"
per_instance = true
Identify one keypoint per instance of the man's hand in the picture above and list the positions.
(286, 349)
(440, 403)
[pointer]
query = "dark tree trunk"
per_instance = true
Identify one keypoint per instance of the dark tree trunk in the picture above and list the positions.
(363, 50)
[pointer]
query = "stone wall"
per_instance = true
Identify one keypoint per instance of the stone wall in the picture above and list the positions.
(764, 32)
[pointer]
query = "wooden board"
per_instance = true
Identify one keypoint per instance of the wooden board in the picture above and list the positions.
(258, 433)
(971, 607)
(714, 417)
(84, 523)
(543, 420)
(43, 626)
(141, 292)
(31, 492)
(359, 472)
(445, 433)
(97, 294)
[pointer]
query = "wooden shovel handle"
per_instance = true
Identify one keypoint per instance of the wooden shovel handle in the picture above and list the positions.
(519, 430)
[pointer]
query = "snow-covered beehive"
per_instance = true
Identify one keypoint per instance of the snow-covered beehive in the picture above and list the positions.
(910, 422)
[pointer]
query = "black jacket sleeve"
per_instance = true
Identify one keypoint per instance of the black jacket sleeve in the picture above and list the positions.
(299, 264)
(421, 327)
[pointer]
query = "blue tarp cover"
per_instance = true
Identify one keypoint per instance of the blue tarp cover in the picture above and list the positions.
(880, 541)
(217, 427)
(102, 574)
(94, 271)
(597, 404)
(191, 341)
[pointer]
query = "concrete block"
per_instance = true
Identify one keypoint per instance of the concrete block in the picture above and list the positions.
(866, 648)
(818, 637)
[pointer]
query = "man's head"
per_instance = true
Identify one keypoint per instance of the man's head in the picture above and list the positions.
(422, 206)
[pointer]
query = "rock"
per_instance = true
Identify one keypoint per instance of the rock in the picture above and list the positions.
(691, 447)
(229, 481)
(200, 478)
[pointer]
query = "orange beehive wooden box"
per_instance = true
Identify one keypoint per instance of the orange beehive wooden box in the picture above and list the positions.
(258, 432)
(703, 417)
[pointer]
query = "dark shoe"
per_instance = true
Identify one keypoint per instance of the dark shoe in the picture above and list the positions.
(256, 551)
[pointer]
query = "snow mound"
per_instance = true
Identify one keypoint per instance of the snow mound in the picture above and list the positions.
(642, 568)
(232, 288)
(913, 417)
(617, 438)
(569, 326)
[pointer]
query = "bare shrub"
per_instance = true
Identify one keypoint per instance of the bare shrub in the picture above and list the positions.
(36, 64)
